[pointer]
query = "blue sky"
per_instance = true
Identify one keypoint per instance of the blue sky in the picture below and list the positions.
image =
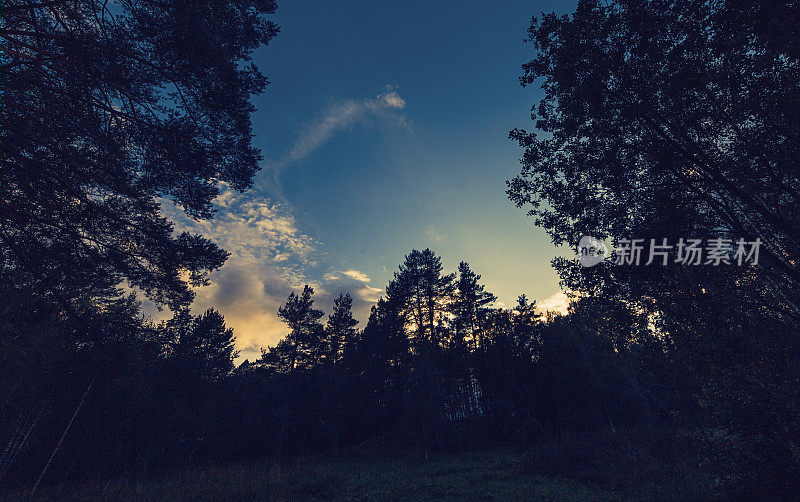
(384, 128)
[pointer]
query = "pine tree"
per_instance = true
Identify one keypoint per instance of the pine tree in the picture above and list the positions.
(202, 346)
(470, 308)
(106, 110)
(526, 323)
(303, 345)
(384, 340)
(341, 328)
(422, 295)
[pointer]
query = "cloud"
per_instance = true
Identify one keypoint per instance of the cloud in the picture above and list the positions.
(256, 230)
(557, 303)
(248, 295)
(369, 294)
(270, 257)
(433, 234)
(392, 100)
(355, 274)
(339, 115)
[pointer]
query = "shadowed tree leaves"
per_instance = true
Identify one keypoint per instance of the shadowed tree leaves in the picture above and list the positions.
(667, 118)
(303, 346)
(340, 332)
(384, 340)
(108, 107)
(422, 294)
(202, 345)
(678, 119)
(471, 307)
(526, 322)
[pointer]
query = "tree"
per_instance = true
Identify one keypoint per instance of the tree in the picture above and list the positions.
(668, 119)
(384, 341)
(471, 306)
(422, 294)
(526, 325)
(303, 344)
(203, 344)
(677, 119)
(109, 110)
(340, 331)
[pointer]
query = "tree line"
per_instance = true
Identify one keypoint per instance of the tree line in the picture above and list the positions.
(660, 119)
(437, 367)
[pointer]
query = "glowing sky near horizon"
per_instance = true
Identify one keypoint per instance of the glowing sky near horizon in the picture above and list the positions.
(384, 128)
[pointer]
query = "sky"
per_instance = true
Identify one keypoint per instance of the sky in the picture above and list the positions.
(384, 129)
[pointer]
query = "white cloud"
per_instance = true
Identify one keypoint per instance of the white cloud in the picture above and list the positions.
(339, 115)
(557, 303)
(269, 258)
(369, 294)
(355, 274)
(248, 295)
(392, 100)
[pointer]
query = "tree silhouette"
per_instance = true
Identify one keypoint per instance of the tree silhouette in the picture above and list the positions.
(471, 306)
(340, 332)
(670, 120)
(422, 294)
(526, 322)
(204, 344)
(108, 110)
(303, 346)
(701, 146)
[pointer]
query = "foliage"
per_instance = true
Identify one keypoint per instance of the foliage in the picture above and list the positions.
(660, 119)
(677, 119)
(107, 109)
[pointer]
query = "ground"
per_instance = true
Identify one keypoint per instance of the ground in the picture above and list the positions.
(477, 476)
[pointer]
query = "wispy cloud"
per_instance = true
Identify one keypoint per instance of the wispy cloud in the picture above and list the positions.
(355, 274)
(270, 255)
(369, 294)
(253, 229)
(433, 234)
(338, 116)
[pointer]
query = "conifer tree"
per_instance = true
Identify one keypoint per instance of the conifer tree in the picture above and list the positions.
(470, 308)
(422, 294)
(526, 323)
(304, 341)
(341, 328)
(108, 107)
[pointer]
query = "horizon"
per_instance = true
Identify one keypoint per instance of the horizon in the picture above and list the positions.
(512, 252)
(376, 158)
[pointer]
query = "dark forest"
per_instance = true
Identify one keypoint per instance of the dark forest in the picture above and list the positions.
(660, 120)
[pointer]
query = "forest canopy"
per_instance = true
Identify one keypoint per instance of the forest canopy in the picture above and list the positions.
(658, 120)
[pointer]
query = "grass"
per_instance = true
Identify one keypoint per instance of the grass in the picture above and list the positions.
(476, 476)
